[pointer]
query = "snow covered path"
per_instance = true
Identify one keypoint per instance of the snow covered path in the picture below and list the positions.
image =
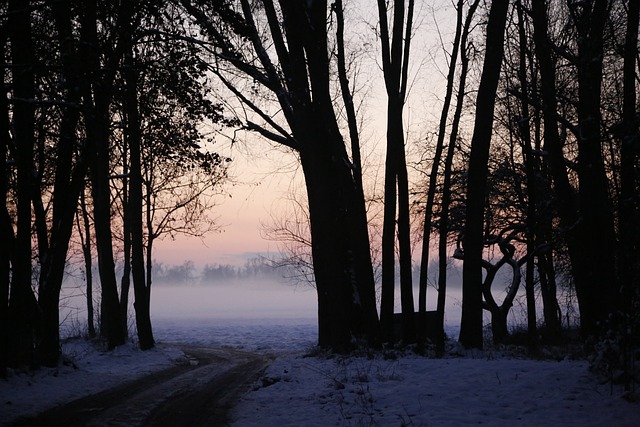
(197, 392)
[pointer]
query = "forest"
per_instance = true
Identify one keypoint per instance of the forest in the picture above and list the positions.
(112, 110)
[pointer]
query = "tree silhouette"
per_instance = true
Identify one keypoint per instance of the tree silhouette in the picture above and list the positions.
(471, 326)
(295, 69)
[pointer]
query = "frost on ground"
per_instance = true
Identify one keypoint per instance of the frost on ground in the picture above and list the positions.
(432, 392)
(322, 391)
(84, 371)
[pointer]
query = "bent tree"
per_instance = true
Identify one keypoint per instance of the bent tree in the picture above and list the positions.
(283, 49)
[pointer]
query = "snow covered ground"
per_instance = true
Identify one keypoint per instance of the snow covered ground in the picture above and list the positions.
(428, 392)
(85, 371)
(482, 388)
(462, 389)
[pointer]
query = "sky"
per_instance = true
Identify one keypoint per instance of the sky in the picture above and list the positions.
(264, 177)
(258, 186)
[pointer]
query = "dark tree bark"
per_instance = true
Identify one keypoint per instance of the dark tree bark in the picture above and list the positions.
(629, 209)
(433, 176)
(531, 169)
(68, 184)
(125, 281)
(97, 124)
(363, 255)
(471, 325)
(587, 220)
(7, 237)
(443, 227)
(499, 312)
(24, 313)
(567, 203)
(151, 238)
(395, 62)
(111, 324)
(598, 294)
(84, 230)
(334, 201)
(347, 97)
(141, 290)
(548, 289)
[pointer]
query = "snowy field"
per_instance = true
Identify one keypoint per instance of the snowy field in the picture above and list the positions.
(414, 391)
(463, 389)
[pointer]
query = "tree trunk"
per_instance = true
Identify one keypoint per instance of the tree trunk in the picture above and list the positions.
(142, 295)
(346, 311)
(531, 169)
(629, 209)
(98, 133)
(404, 244)
(499, 328)
(24, 313)
(395, 60)
(7, 238)
(85, 239)
(387, 297)
(151, 237)
(471, 325)
(433, 177)
(112, 327)
(598, 295)
(362, 256)
(328, 231)
(443, 229)
(68, 184)
(125, 281)
(567, 204)
(340, 242)
(548, 288)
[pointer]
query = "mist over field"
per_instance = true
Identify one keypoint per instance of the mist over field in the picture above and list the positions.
(237, 298)
(218, 296)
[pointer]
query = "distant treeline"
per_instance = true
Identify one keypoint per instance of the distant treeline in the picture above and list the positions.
(211, 274)
(257, 268)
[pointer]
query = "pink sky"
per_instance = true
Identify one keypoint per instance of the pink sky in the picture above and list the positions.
(258, 190)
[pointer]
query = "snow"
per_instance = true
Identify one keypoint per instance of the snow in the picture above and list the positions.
(386, 389)
(85, 370)
(418, 391)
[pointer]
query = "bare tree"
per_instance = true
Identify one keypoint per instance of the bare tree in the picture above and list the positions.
(471, 325)
(23, 310)
(135, 202)
(629, 210)
(586, 216)
(98, 100)
(596, 287)
(443, 226)
(7, 236)
(298, 76)
(84, 231)
(395, 63)
(459, 42)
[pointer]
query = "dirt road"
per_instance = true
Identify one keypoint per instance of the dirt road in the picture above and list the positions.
(199, 392)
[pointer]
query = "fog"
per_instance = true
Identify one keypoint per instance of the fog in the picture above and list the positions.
(235, 299)
(243, 304)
